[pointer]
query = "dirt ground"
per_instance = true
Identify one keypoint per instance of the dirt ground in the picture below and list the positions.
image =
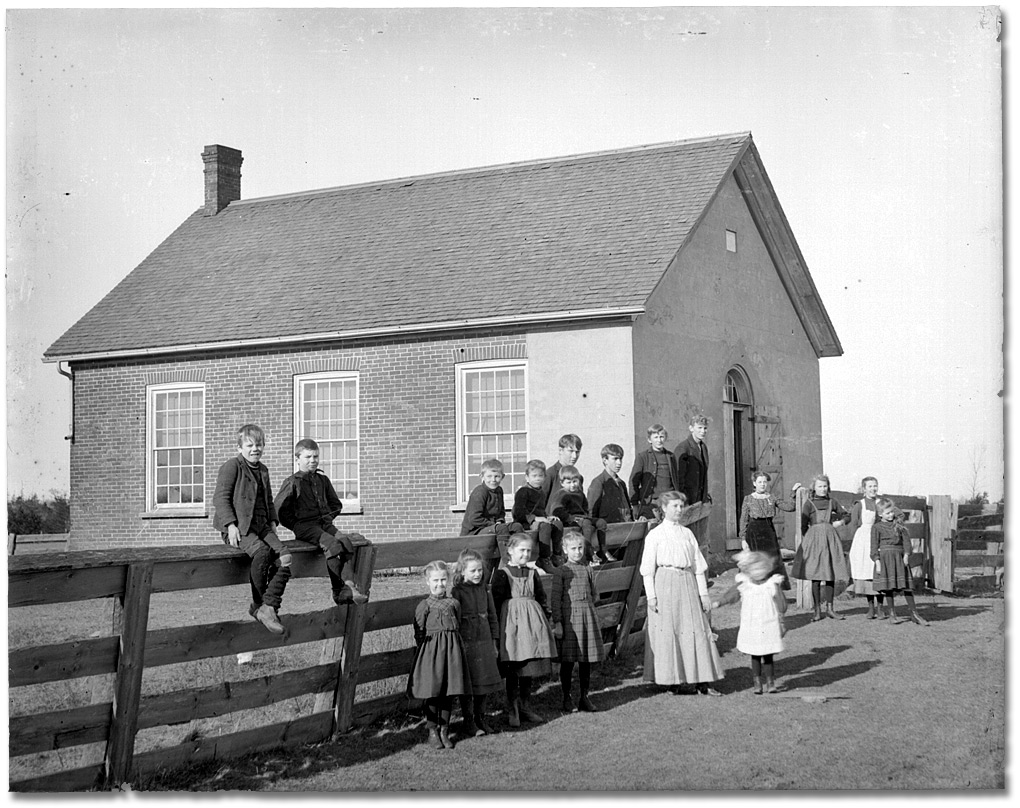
(867, 705)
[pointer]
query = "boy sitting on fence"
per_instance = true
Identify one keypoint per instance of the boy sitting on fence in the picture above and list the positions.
(570, 506)
(246, 518)
(307, 504)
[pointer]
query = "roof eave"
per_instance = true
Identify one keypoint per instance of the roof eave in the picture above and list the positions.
(544, 318)
(782, 246)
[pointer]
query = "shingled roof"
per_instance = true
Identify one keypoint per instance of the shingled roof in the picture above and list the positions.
(557, 239)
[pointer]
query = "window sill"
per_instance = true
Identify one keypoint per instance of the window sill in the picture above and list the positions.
(175, 513)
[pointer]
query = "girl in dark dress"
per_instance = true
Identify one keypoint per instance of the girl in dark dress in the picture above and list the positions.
(440, 670)
(890, 550)
(757, 533)
(479, 631)
(820, 558)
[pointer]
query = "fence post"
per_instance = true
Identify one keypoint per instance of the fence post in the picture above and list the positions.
(354, 632)
(631, 558)
(130, 666)
(803, 587)
(943, 529)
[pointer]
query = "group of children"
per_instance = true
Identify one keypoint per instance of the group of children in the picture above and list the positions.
(472, 637)
(475, 637)
(551, 498)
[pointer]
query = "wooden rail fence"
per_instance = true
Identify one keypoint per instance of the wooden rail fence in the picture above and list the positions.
(131, 577)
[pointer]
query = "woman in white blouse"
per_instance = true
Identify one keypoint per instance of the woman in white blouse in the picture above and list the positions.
(679, 648)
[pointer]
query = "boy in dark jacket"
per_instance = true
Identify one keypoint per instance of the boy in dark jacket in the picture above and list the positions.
(608, 497)
(246, 518)
(570, 506)
(307, 504)
(654, 472)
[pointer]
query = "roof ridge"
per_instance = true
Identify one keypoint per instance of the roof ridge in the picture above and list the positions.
(479, 170)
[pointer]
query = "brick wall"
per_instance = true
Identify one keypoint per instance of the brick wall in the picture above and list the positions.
(407, 435)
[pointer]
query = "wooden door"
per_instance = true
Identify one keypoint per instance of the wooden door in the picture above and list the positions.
(769, 457)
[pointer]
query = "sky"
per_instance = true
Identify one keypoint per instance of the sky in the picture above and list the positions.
(880, 129)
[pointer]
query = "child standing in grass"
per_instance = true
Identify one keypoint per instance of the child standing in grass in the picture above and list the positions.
(679, 648)
(890, 550)
(820, 558)
(440, 671)
(863, 515)
(756, 530)
(576, 622)
(526, 642)
(479, 631)
(246, 518)
(762, 606)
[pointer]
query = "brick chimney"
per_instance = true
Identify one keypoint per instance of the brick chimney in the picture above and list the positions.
(222, 177)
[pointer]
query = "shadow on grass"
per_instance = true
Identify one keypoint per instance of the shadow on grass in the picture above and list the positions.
(828, 676)
(613, 683)
(940, 611)
(257, 771)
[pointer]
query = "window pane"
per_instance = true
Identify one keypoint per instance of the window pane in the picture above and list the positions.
(493, 419)
(329, 415)
(178, 422)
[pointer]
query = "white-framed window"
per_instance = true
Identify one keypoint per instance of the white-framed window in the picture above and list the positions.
(492, 421)
(326, 410)
(731, 240)
(175, 447)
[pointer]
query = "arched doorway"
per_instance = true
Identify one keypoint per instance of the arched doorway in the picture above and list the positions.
(738, 447)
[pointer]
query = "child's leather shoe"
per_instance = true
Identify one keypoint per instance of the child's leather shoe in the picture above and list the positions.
(266, 615)
(527, 714)
(585, 706)
(513, 714)
(444, 737)
(350, 594)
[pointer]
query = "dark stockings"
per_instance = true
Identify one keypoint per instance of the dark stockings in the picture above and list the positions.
(437, 711)
(518, 687)
(583, 677)
(762, 664)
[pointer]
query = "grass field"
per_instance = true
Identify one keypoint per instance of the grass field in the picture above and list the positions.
(868, 705)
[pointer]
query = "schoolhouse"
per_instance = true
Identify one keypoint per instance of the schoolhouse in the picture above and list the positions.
(416, 326)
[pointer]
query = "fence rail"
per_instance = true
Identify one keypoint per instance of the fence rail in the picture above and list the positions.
(131, 577)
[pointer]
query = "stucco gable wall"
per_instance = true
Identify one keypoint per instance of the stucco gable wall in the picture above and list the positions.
(715, 309)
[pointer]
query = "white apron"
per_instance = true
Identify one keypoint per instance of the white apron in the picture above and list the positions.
(862, 568)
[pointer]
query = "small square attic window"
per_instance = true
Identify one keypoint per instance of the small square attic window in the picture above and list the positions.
(731, 240)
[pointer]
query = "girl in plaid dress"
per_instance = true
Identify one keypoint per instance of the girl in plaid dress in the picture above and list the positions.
(575, 622)
(890, 550)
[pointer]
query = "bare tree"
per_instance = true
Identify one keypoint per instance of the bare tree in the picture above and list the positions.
(977, 467)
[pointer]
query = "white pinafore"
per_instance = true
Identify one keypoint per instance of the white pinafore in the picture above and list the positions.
(862, 568)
